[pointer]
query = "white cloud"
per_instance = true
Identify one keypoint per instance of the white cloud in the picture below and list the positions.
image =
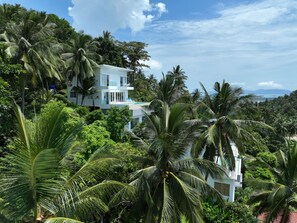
(161, 7)
(270, 84)
(153, 64)
(240, 84)
(95, 16)
(242, 44)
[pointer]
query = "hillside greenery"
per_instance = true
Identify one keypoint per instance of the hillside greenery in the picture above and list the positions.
(62, 162)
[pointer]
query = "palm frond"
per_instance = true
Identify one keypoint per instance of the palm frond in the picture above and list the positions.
(62, 220)
(168, 204)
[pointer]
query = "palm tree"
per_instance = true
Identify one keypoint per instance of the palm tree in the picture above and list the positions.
(180, 77)
(221, 129)
(135, 54)
(166, 90)
(36, 184)
(173, 186)
(87, 88)
(278, 198)
(80, 58)
(30, 43)
(172, 86)
(110, 50)
(9, 13)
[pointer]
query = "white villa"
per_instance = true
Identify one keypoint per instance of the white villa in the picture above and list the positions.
(111, 90)
(227, 185)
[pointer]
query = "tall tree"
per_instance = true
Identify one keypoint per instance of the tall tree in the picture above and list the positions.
(221, 129)
(86, 88)
(172, 87)
(30, 43)
(135, 54)
(9, 13)
(174, 185)
(110, 50)
(80, 58)
(144, 88)
(278, 198)
(117, 118)
(179, 77)
(35, 181)
(166, 90)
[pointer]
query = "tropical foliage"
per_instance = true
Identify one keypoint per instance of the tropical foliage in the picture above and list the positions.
(36, 183)
(61, 162)
(277, 198)
(222, 130)
(174, 185)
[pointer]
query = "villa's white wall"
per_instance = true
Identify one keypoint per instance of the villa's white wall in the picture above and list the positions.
(225, 180)
(233, 178)
(114, 73)
(97, 99)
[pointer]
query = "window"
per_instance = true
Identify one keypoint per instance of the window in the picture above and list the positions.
(112, 97)
(106, 98)
(134, 122)
(123, 81)
(116, 96)
(105, 80)
(73, 93)
(222, 188)
(119, 96)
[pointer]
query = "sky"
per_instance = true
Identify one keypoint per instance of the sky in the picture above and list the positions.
(249, 43)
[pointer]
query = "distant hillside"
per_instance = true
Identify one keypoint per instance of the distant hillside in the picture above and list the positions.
(263, 92)
(282, 108)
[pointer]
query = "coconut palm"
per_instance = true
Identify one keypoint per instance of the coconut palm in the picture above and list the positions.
(221, 129)
(278, 198)
(30, 42)
(166, 90)
(86, 88)
(36, 183)
(8, 13)
(173, 186)
(80, 58)
(180, 77)
(172, 85)
(110, 50)
(172, 88)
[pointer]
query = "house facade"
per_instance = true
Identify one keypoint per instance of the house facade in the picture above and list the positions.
(110, 89)
(227, 185)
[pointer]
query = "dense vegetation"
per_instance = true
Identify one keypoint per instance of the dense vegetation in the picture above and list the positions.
(61, 162)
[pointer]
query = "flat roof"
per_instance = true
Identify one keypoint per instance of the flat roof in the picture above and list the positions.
(114, 67)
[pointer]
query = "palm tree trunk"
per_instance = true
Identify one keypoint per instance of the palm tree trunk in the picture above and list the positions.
(39, 215)
(76, 92)
(82, 99)
(43, 91)
(24, 80)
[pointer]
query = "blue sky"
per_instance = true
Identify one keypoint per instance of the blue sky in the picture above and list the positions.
(249, 43)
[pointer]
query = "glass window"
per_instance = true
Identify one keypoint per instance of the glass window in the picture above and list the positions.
(222, 188)
(105, 99)
(123, 81)
(73, 93)
(134, 122)
(105, 80)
